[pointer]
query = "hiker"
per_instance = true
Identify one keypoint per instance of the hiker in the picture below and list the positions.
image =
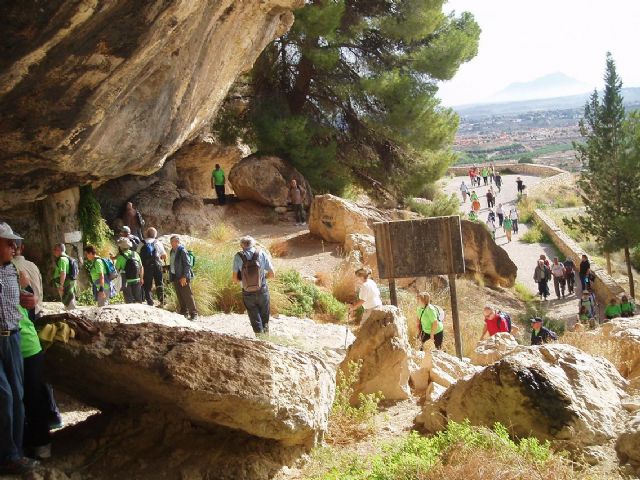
(472, 176)
(541, 334)
(100, 284)
(475, 203)
(491, 225)
(494, 322)
(520, 186)
(507, 225)
(513, 215)
(491, 199)
(368, 293)
(498, 180)
(588, 303)
(132, 219)
(627, 307)
(585, 266)
(559, 279)
(500, 214)
(32, 271)
(491, 216)
(129, 264)
(295, 198)
(37, 439)
(65, 276)
(217, 183)
(543, 257)
(153, 256)
(464, 191)
(181, 274)
(473, 216)
(612, 310)
(12, 460)
(570, 272)
(492, 172)
(430, 321)
(485, 175)
(252, 268)
(125, 232)
(541, 276)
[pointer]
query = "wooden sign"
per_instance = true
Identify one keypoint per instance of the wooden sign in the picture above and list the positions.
(419, 248)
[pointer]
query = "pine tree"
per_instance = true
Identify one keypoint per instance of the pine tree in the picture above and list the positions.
(610, 180)
(350, 92)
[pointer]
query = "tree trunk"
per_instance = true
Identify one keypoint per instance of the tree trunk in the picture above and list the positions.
(301, 87)
(627, 258)
(607, 255)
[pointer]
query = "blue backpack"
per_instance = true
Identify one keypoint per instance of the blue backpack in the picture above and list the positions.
(110, 268)
(149, 255)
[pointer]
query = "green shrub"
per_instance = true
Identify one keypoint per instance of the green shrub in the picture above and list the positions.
(306, 299)
(535, 234)
(525, 160)
(85, 298)
(94, 228)
(635, 257)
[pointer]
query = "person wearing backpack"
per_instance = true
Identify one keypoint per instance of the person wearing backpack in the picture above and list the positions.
(217, 183)
(430, 321)
(542, 275)
(251, 268)
(570, 274)
(495, 322)
(65, 276)
(129, 264)
(133, 221)
(181, 274)
(98, 273)
(153, 256)
(541, 334)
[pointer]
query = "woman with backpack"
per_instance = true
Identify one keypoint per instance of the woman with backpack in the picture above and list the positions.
(99, 275)
(430, 321)
(368, 293)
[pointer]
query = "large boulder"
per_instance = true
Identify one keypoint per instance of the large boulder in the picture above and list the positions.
(628, 444)
(484, 257)
(382, 348)
(445, 369)
(492, 349)
(210, 379)
(553, 392)
(196, 160)
(626, 333)
(91, 91)
(266, 180)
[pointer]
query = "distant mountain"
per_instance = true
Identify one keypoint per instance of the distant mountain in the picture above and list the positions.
(552, 85)
(631, 101)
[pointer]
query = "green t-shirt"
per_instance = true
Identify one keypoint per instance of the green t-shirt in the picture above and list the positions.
(612, 311)
(507, 224)
(427, 316)
(485, 172)
(218, 176)
(473, 216)
(29, 341)
(121, 262)
(62, 265)
(474, 196)
(96, 268)
(627, 307)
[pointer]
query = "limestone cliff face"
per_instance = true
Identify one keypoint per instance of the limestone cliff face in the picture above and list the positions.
(92, 90)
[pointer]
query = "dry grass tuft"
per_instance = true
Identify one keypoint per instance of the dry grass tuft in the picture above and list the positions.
(343, 283)
(279, 248)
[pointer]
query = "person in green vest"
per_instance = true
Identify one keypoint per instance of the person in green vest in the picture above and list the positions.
(37, 439)
(613, 309)
(507, 224)
(430, 321)
(627, 308)
(98, 274)
(65, 285)
(485, 175)
(217, 183)
(129, 265)
(473, 216)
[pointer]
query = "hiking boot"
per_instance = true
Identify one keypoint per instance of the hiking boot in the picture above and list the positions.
(19, 466)
(194, 317)
(42, 452)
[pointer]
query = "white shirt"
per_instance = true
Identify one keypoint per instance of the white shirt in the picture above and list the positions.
(370, 294)
(514, 215)
(464, 188)
(161, 252)
(499, 210)
(35, 278)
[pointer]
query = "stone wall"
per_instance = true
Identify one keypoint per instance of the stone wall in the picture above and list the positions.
(516, 168)
(605, 286)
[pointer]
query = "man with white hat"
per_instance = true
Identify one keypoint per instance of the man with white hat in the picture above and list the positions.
(12, 460)
(129, 264)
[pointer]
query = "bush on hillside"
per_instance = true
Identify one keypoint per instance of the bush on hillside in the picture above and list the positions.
(306, 299)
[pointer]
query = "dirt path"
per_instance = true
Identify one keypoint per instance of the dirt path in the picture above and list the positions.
(524, 255)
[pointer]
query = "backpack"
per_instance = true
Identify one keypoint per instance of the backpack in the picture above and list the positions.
(250, 273)
(149, 255)
(132, 267)
(191, 257)
(568, 268)
(506, 318)
(73, 269)
(135, 241)
(110, 268)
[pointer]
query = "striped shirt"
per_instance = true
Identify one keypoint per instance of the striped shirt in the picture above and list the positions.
(9, 297)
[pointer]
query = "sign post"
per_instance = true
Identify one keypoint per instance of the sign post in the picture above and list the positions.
(419, 248)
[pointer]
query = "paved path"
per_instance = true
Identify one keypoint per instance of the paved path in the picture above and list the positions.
(524, 255)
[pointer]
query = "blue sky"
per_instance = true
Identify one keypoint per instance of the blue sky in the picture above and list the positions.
(524, 39)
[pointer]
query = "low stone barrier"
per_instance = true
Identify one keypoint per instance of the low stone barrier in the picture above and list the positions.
(605, 286)
(516, 168)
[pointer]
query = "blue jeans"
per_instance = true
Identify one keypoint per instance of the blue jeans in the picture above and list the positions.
(11, 396)
(257, 305)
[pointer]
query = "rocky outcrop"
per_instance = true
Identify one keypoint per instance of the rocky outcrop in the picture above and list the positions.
(628, 444)
(626, 333)
(484, 257)
(437, 371)
(95, 90)
(492, 349)
(265, 180)
(552, 392)
(196, 160)
(382, 347)
(212, 380)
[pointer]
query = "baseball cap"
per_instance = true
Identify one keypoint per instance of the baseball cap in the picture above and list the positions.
(6, 232)
(536, 320)
(125, 229)
(124, 242)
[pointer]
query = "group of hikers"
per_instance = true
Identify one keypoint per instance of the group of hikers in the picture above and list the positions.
(500, 217)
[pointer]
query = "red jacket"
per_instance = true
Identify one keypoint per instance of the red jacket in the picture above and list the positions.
(496, 324)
